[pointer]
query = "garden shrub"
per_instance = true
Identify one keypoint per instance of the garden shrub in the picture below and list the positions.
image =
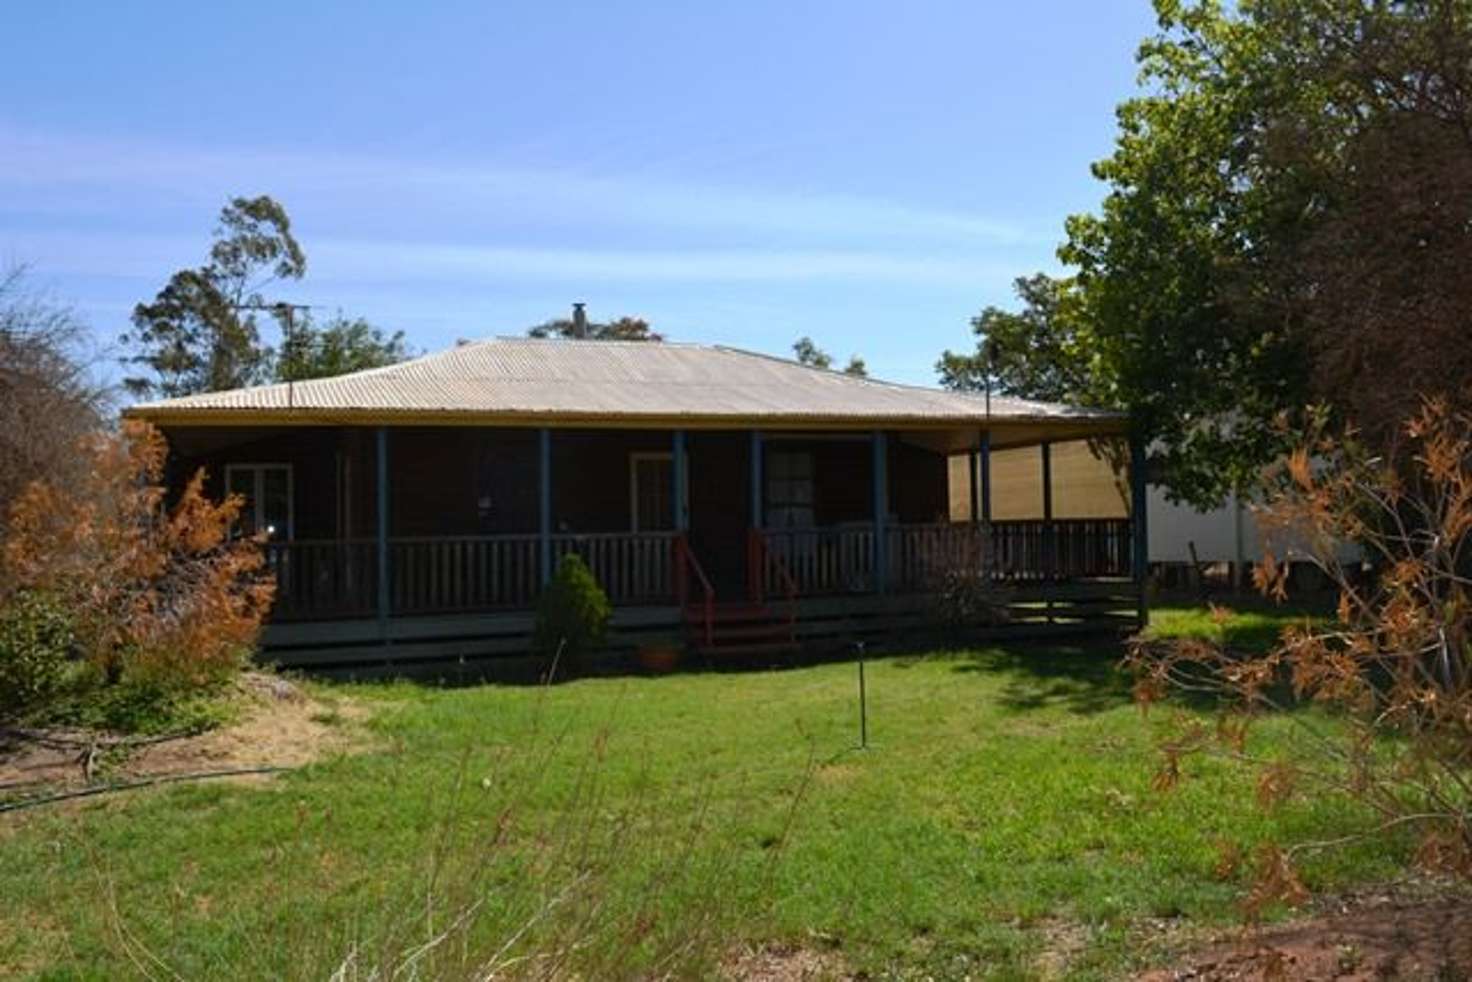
(36, 644)
(162, 597)
(966, 597)
(572, 612)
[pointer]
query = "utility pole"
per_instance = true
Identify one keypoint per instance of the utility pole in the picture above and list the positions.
(288, 312)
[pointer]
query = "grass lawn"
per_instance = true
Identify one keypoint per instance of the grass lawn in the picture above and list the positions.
(1001, 823)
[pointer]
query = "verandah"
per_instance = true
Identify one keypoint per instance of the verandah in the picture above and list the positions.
(390, 575)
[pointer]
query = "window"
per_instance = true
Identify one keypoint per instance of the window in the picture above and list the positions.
(650, 491)
(789, 492)
(267, 491)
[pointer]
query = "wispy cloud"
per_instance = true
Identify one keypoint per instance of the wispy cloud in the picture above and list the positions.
(50, 170)
(347, 262)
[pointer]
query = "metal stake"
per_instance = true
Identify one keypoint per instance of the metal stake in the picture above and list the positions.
(863, 702)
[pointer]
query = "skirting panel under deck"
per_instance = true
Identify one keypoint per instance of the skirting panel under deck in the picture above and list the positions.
(476, 645)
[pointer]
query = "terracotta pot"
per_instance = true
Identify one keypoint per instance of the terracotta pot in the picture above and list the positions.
(663, 657)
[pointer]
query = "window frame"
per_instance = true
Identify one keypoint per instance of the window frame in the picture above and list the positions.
(636, 457)
(257, 499)
(771, 475)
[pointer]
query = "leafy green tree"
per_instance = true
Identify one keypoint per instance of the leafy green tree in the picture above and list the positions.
(336, 347)
(1036, 353)
(201, 332)
(1286, 209)
(808, 353)
(620, 329)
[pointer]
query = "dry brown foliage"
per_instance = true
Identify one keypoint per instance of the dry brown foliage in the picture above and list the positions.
(1390, 669)
(161, 594)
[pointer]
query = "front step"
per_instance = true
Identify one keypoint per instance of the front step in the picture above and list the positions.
(740, 630)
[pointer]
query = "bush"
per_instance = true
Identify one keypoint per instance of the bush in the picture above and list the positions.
(162, 597)
(572, 612)
(36, 645)
(966, 598)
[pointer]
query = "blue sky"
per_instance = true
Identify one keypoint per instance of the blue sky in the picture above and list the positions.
(870, 174)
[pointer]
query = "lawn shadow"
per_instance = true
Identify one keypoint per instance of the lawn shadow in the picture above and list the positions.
(1082, 679)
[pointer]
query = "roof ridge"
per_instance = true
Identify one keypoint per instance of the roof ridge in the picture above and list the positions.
(867, 379)
(610, 341)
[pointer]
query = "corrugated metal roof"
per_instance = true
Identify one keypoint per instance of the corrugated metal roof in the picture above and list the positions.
(604, 380)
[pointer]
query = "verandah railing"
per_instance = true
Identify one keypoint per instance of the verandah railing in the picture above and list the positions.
(838, 560)
(434, 574)
(330, 579)
(452, 574)
(632, 567)
(1062, 549)
(323, 578)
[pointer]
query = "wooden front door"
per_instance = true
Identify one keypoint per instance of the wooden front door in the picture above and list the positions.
(719, 503)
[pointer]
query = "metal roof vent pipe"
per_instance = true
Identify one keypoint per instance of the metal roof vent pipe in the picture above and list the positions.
(579, 321)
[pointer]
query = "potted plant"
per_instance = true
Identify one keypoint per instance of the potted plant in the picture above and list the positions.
(661, 654)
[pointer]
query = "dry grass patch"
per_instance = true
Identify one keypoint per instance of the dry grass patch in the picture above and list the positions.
(784, 963)
(274, 724)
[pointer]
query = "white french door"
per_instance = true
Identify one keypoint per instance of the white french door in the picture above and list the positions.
(267, 491)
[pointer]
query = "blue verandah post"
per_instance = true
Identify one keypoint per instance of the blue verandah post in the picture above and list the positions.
(678, 511)
(986, 476)
(1050, 531)
(881, 510)
(1050, 536)
(1139, 508)
(756, 479)
(981, 478)
(755, 556)
(381, 467)
(544, 502)
(971, 463)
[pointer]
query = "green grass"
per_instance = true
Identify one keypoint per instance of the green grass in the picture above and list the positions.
(1005, 795)
(1252, 624)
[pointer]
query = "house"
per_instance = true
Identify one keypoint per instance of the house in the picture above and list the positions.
(749, 502)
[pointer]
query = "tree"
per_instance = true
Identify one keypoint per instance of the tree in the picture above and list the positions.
(338, 346)
(621, 329)
(200, 333)
(1286, 209)
(808, 353)
(48, 400)
(1036, 353)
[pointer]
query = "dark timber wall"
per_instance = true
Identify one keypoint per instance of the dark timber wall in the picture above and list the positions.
(477, 481)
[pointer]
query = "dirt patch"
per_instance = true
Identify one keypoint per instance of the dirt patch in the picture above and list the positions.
(277, 725)
(1063, 942)
(783, 963)
(1379, 938)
